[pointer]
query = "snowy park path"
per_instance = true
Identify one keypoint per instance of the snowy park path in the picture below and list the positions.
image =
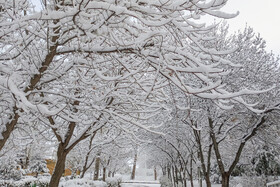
(148, 181)
(152, 184)
(141, 184)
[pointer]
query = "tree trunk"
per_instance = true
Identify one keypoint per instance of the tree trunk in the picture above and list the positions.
(96, 168)
(87, 165)
(179, 175)
(191, 170)
(164, 170)
(199, 177)
(62, 150)
(184, 179)
(59, 167)
(9, 128)
(191, 180)
(225, 180)
(207, 173)
(83, 174)
(134, 167)
(173, 176)
(168, 172)
(104, 174)
(207, 180)
(205, 170)
(155, 173)
(176, 175)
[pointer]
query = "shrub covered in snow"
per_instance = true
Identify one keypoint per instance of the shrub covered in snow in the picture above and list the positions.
(249, 181)
(44, 182)
(114, 181)
(38, 165)
(8, 169)
(8, 172)
(26, 181)
(165, 181)
(82, 183)
(216, 179)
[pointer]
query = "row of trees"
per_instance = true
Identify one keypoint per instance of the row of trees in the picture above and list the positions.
(77, 67)
(105, 153)
(221, 141)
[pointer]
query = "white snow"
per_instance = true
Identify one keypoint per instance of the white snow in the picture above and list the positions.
(24, 103)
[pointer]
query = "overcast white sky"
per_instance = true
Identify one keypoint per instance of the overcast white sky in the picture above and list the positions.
(262, 15)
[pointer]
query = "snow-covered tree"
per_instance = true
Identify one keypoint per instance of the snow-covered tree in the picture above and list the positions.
(79, 65)
(222, 132)
(231, 129)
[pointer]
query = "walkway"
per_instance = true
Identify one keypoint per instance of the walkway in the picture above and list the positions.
(156, 184)
(140, 184)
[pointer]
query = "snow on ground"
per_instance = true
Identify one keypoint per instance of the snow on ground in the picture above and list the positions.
(145, 179)
(158, 185)
(140, 185)
(82, 182)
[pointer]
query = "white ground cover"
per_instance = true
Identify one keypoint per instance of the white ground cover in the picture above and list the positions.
(45, 180)
(158, 185)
